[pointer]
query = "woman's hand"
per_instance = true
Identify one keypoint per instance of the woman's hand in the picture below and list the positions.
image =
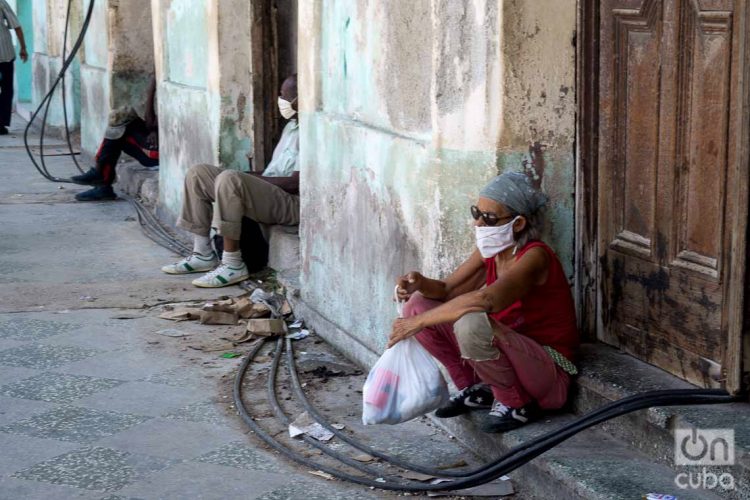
(402, 329)
(408, 284)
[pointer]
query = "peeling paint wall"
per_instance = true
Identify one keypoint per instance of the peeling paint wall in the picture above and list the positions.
(49, 28)
(203, 65)
(407, 109)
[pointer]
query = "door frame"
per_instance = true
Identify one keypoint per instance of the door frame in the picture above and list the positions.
(587, 268)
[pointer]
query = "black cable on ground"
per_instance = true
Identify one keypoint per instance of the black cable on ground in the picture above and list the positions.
(317, 416)
(64, 98)
(46, 101)
(155, 231)
(510, 461)
(281, 417)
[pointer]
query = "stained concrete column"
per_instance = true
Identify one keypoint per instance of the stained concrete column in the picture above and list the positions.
(204, 74)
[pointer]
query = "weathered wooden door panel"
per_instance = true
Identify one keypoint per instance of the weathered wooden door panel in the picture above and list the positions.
(671, 177)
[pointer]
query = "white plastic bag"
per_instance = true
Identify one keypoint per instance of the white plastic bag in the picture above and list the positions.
(404, 384)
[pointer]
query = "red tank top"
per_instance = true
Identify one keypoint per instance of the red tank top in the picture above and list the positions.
(547, 313)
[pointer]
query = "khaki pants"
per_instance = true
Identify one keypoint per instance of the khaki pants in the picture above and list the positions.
(236, 195)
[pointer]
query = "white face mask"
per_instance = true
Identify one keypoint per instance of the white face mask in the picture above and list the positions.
(491, 240)
(286, 109)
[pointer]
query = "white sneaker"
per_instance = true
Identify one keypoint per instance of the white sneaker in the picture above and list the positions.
(222, 276)
(194, 263)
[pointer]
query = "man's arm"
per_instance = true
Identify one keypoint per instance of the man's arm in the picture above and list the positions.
(288, 184)
(22, 42)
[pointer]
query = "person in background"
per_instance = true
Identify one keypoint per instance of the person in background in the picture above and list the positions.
(267, 198)
(126, 133)
(8, 22)
(503, 324)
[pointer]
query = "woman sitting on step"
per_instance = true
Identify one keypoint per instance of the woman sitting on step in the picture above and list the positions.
(503, 324)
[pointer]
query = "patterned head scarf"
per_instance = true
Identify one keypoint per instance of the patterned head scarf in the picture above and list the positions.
(515, 191)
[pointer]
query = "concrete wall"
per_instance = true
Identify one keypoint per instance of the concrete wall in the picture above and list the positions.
(203, 68)
(408, 108)
(49, 28)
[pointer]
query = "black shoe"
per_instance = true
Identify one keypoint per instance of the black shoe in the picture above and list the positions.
(3, 130)
(503, 418)
(98, 193)
(475, 397)
(90, 178)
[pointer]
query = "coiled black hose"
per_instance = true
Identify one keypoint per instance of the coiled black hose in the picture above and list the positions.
(47, 100)
(512, 460)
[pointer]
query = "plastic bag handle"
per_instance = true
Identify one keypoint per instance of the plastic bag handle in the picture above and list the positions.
(399, 304)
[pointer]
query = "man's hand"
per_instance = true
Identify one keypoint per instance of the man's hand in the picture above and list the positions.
(403, 328)
(408, 284)
(23, 54)
(152, 140)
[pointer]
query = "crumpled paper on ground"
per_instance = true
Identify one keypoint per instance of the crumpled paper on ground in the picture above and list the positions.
(304, 424)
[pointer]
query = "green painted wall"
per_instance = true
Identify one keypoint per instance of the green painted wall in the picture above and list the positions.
(24, 70)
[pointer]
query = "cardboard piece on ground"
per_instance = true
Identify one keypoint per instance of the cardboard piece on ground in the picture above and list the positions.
(218, 318)
(266, 327)
(364, 457)
(321, 474)
(417, 476)
(182, 314)
(226, 305)
(247, 309)
(498, 488)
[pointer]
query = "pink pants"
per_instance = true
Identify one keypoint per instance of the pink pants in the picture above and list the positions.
(522, 372)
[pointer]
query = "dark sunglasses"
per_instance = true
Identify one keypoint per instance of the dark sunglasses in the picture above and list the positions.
(488, 217)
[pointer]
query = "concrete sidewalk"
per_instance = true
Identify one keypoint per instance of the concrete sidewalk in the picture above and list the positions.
(94, 402)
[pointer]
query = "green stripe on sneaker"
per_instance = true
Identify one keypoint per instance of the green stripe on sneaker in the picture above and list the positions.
(221, 278)
(188, 267)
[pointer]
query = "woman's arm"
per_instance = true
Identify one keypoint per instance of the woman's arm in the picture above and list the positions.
(468, 276)
(512, 285)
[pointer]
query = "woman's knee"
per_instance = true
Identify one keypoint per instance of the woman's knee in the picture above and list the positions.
(474, 336)
(417, 304)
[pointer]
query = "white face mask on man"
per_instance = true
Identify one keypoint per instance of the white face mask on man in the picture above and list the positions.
(286, 109)
(491, 240)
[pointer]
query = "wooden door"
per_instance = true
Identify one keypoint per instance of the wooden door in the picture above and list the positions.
(672, 183)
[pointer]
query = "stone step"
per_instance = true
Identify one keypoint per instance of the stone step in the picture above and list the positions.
(591, 465)
(608, 374)
(284, 255)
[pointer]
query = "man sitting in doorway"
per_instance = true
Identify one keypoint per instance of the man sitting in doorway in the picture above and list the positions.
(127, 133)
(267, 198)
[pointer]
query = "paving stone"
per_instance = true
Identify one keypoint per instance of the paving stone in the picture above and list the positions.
(13, 409)
(22, 489)
(74, 424)
(241, 456)
(179, 376)
(205, 411)
(10, 374)
(172, 438)
(57, 388)
(32, 328)
(318, 490)
(44, 357)
(143, 398)
(94, 468)
(20, 452)
(214, 482)
(123, 365)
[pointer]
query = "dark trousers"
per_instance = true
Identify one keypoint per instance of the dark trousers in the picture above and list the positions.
(6, 92)
(133, 143)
